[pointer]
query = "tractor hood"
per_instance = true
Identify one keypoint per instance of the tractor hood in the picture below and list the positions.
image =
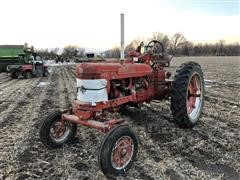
(112, 70)
(11, 68)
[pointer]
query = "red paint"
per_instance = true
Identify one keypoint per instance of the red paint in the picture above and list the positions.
(192, 94)
(127, 82)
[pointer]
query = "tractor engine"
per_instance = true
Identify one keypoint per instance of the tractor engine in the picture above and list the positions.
(98, 82)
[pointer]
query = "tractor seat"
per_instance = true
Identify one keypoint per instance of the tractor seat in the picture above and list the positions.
(38, 65)
(165, 60)
(133, 54)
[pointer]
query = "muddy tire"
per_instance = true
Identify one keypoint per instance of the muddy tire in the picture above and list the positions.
(45, 73)
(28, 75)
(187, 94)
(118, 150)
(53, 135)
(14, 75)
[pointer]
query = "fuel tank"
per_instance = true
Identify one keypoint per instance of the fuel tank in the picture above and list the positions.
(112, 70)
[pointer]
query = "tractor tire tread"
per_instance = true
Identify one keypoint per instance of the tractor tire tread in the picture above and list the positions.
(104, 157)
(178, 93)
(45, 128)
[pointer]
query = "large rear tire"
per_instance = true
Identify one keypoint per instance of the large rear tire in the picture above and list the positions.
(118, 150)
(53, 134)
(45, 73)
(28, 75)
(187, 94)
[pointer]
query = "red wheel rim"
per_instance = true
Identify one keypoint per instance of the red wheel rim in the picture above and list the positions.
(59, 131)
(122, 152)
(194, 96)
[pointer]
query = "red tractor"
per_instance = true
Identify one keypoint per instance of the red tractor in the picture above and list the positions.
(110, 86)
(28, 70)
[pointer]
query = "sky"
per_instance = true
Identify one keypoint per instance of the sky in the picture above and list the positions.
(96, 23)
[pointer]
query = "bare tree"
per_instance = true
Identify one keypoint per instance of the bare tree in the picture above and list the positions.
(133, 45)
(163, 38)
(112, 53)
(55, 50)
(44, 53)
(73, 51)
(220, 48)
(48, 53)
(232, 49)
(70, 51)
(177, 41)
(187, 48)
(81, 52)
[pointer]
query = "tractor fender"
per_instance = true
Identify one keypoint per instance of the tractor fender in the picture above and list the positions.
(26, 67)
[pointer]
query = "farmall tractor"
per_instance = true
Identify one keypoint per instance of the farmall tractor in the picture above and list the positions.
(111, 86)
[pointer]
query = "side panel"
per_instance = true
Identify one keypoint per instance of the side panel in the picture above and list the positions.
(112, 71)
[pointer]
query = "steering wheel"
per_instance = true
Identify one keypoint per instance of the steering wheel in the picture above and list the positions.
(157, 47)
(37, 63)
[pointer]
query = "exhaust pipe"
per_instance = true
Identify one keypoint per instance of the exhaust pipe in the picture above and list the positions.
(122, 37)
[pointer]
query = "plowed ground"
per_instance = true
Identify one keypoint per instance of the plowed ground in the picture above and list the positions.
(210, 150)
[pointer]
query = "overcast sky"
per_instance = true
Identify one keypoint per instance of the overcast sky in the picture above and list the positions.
(96, 23)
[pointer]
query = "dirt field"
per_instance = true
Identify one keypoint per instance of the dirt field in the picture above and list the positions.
(211, 150)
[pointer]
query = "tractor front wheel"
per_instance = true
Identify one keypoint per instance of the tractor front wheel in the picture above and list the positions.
(187, 94)
(14, 75)
(54, 133)
(118, 151)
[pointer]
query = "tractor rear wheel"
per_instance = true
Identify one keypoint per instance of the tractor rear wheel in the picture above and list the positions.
(54, 134)
(45, 73)
(28, 75)
(118, 150)
(187, 94)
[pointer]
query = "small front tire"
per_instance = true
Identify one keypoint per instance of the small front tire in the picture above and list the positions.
(118, 150)
(53, 134)
(14, 75)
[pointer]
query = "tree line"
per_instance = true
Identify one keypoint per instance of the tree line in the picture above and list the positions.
(178, 45)
(67, 52)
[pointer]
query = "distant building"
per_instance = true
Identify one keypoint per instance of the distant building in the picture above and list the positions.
(90, 55)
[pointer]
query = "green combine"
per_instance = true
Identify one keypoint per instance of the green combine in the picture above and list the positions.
(13, 55)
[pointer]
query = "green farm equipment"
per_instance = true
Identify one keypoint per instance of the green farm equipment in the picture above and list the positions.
(14, 55)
